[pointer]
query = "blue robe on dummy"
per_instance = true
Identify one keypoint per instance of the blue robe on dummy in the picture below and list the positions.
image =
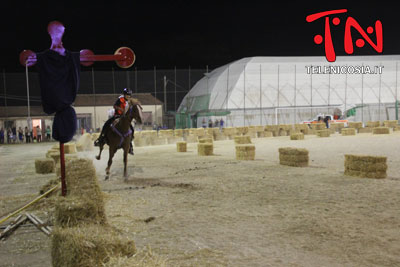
(59, 78)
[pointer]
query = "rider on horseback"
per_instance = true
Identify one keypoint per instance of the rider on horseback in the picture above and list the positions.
(119, 107)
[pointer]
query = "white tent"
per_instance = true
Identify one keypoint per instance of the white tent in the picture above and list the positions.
(270, 90)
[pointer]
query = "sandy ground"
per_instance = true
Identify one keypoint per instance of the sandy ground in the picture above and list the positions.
(216, 211)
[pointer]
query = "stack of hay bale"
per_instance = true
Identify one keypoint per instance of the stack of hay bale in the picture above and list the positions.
(381, 130)
(169, 135)
(348, 131)
(272, 128)
(302, 128)
(390, 123)
(369, 126)
(82, 236)
(259, 131)
(252, 132)
(145, 138)
(365, 166)
(229, 132)
(178, 133)
(318, 126)
(285, 129)
(205, 149)
(245, 152)
(356, 125)
(296, 157)
(241, 130)
(337, 126)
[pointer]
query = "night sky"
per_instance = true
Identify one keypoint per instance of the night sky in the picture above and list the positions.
(187, 33)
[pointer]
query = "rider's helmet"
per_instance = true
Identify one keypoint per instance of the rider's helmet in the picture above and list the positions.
(127, 91)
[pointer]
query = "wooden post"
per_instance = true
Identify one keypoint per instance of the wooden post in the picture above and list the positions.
(62, 165)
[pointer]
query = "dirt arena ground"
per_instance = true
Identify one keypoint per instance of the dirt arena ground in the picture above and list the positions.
(216, 211)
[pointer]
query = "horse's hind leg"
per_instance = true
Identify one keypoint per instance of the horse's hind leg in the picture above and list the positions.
(101, 149)
(112, 152)
(125, 163)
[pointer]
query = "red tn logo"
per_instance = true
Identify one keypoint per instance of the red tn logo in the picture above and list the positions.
(348, 39)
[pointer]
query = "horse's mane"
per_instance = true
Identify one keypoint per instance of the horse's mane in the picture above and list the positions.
(133, 101)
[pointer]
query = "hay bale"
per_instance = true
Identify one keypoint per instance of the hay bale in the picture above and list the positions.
(245, 152)
(355, 125)
(348, 131)
(274, 129)
(297, 136)
(181, 146)
(373, 124)
(228, 131)
(205, 149)
(67, 157)
(51, 151)
(81, 178)
(365, 166)
(318, 126)
(242, 140)
(178, 132)
(381, 130)
(295, 157)
(390, 123)
(73, 211)
(206, 140)
(166, 133)
(365, 130)
(268, 134)
(323, 133)
(44, 166)
(88, 246)
(55, 156)
(69, 148)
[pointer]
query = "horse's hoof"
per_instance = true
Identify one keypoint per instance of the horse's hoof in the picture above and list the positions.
(106, 178)
(98, 157)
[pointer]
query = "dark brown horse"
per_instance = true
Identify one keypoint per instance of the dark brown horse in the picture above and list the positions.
(119, 134)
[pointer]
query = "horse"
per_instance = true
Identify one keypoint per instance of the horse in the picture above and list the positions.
(119, 134)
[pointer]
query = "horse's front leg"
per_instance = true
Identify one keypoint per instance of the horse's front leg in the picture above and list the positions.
(101, 149)
(125, 163)
(112, 152)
